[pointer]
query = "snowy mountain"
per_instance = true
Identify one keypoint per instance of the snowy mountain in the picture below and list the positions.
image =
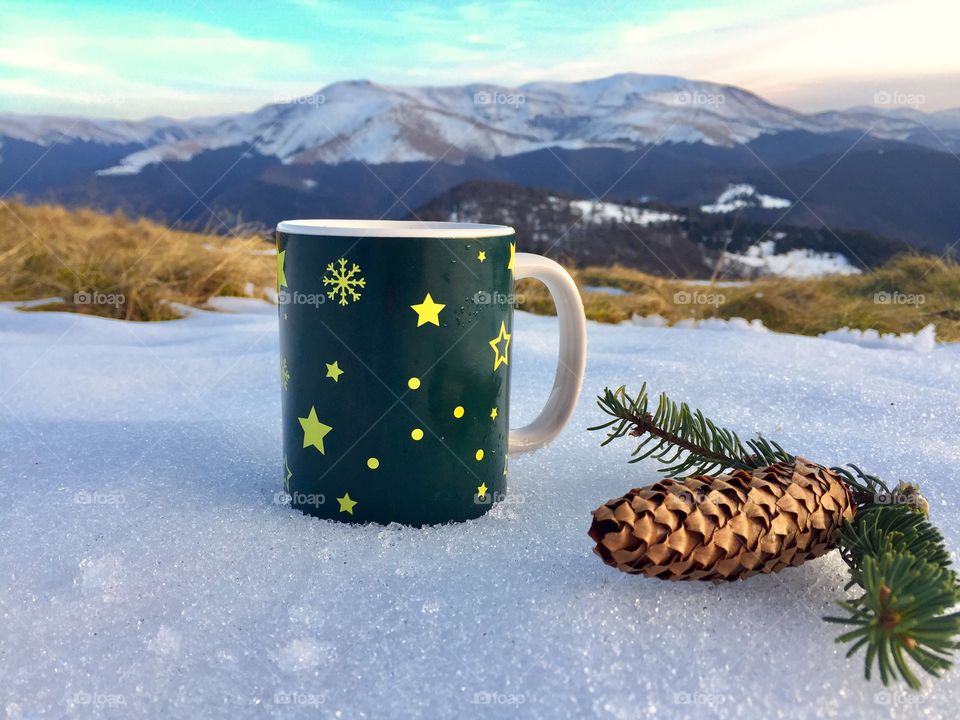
(47, 130)
(378, 124)
(375, 123)
(937, 130)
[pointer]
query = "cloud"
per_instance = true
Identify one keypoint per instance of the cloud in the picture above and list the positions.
(181, 68)
(868, 45)
(782, 55)
(811, 55)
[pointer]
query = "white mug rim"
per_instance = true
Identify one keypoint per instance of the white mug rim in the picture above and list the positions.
(392, 228)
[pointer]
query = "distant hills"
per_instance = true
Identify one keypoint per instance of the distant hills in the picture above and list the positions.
(361, 149)
(728, 240)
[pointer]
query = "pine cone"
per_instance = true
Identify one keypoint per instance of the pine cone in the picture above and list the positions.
(724, 527)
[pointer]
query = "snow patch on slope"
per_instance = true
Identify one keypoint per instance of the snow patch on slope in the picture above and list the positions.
(762, 259)
(743, 195)
(607, 212)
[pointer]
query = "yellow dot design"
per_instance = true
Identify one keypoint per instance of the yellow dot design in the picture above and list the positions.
(479, 455)
(373, 463)
(416, 434)
(458, 411)
(413, 383)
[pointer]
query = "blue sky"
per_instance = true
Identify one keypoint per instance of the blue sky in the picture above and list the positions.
(135, 59)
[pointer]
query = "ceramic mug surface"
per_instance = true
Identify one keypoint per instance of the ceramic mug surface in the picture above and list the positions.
(396, 345)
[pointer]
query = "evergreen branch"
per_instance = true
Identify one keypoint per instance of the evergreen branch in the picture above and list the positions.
(900, 561)
(880, 529)
(900, 615)
(682, 439)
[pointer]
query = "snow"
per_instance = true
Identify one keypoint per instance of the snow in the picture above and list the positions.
(763, 259)
(922, 341)
(734, 323)
(717, 283)
(150, 568)
(607, 212)
(604, 290)
(655, 320)
(742, 195)
(240, 305)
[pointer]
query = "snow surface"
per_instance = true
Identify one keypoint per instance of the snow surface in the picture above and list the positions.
(924, 340)
(149, 571)
(735, 323)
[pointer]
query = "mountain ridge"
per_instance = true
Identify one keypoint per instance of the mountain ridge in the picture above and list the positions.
(379, 123)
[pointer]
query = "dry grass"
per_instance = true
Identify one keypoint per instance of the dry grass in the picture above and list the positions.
(47, 251)
(135, 268)
(903, 296)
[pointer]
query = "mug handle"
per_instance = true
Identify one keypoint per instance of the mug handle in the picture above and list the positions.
(573, 352)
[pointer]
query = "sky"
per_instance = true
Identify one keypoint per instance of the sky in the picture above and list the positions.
(113, 58)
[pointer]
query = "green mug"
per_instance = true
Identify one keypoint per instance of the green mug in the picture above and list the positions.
(396, 342)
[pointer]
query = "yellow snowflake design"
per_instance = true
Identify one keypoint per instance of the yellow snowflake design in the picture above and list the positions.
(345, 282)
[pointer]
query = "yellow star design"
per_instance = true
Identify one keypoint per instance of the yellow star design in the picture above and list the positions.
(428, 311)
(493, 414)
(346, 504)
(501, 358)
(281, 275)
(482, 490)
(482, 256)
(513, 254)
(314, 431)
(334, 371)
